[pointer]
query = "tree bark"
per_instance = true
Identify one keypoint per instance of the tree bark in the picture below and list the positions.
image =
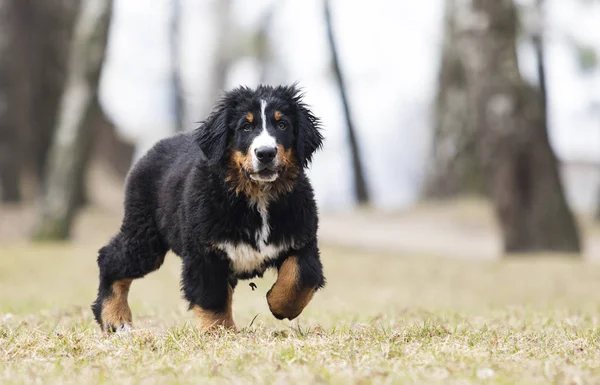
(598, 207)
(454, 168)
(68, 151)
(360, 184)
(113, 151)
(264, 52)
(520, 166)
(53, 30)
(10, 159)
(225, 54)
(42, 32)
(538, 44)
(175, 66)
(94, 122)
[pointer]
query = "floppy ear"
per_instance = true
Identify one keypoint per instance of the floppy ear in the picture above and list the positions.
(309, 138)
(211, 136)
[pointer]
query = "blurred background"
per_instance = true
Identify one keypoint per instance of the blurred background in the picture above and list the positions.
(463, 128)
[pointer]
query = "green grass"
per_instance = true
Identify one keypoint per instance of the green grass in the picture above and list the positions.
(381, 319)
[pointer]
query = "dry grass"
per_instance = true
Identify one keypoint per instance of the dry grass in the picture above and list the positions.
(381, 319)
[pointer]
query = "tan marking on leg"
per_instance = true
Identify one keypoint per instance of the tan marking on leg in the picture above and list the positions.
(286, 298)
(211, 320)
(115, 309)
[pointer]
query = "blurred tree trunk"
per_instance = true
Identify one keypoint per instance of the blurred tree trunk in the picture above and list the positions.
(520, 167)
(10, 154)
(52, 22)
(538, 44)
(454, 168)
(264, 51)
(175, 64)
(360, 184)
(598, 207)
(72, 137)
(95, 120)
(113, 151)
(201, 78)
(225, 50)
(43, 30)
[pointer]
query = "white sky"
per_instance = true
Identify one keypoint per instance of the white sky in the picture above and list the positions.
(390, 55)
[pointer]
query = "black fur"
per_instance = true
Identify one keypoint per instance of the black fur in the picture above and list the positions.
(212, 137)
(178, 198)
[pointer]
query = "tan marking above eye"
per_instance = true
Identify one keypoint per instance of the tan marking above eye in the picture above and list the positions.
(250, 117)
(277, 115)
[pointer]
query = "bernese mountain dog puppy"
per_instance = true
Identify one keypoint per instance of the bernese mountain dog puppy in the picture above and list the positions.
(232, 200)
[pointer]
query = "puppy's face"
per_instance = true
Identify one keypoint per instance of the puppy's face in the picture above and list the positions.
(262, 139)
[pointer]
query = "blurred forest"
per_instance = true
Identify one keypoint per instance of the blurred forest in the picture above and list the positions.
(427, 102)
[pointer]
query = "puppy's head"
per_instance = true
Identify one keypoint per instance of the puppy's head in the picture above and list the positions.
(268, 134)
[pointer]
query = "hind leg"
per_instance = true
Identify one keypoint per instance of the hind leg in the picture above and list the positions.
(122, 260)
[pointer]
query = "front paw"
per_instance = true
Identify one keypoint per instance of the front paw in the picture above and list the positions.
(123, 328)
(209, 321)
(114, 315)
(288, 305)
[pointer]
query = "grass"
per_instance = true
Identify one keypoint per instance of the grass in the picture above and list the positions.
(381, 319)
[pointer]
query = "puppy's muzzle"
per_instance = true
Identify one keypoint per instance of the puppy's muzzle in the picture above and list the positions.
(265, 165)
(265, 155)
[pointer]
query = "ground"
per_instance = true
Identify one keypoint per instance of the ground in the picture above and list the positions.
(383, 318)
(413, 297)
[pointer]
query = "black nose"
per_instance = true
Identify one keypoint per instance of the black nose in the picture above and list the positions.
(265, 154)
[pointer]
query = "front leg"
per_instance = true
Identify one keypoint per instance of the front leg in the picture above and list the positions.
(206, 286)
(299, 276)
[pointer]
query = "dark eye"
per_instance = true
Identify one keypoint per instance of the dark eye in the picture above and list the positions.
(247, 127)
(282, 125)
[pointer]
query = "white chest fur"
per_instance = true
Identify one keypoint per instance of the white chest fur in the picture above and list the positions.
(245, 258)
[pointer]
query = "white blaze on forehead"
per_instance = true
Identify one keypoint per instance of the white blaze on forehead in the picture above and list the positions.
(263, 115)
(264, 139)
